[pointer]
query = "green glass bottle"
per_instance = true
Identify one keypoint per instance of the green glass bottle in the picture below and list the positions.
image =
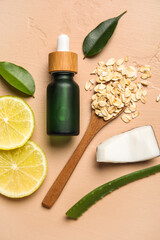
(63, 92)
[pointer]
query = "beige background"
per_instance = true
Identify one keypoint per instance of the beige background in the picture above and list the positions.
(29, 31)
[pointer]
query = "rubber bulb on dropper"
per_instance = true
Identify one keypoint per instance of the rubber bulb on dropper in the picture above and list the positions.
(63, 43)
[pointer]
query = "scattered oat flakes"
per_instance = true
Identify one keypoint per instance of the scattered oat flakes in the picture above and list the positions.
(120, 61)
(110, 62)
(139, 85)
(144, 93)
(110, 98)
(133, 106)
(104, 74)
(108, 117)
(102, 103)
(138, 94)
(141, 69)
(144, 76)
(101, 64)
(91, 81)
(126, 59)
(145, 68)
(91, 87)
(135, 114)
(117, 102)
(94, 97)
(111, 109)
(143, 99)
(87, 85)
(133, 97)
(158, 98)
(130, 72)
(120, 68)
(144, 83)
(104, 112)
(127, 110)
(126, 118)
(127, 93)
(94, 72)
(116, 76)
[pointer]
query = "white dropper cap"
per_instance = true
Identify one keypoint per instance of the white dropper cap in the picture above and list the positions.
(63, 59)
(63, 43)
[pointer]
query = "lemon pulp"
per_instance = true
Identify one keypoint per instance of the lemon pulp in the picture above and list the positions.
(16, 122)
(22, 170)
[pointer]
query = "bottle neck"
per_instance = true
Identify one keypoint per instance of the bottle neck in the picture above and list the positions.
(57, 76)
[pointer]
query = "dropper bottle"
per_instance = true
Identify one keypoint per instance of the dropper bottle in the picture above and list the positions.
(63, 91)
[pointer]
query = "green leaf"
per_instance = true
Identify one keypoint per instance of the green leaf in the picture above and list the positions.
(98, 37)
(18, 77)
(87, 201)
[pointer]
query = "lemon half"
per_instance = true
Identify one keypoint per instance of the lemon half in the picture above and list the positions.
(16, 122)
(22, 170)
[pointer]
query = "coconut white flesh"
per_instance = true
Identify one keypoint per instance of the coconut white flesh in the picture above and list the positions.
(136, 145)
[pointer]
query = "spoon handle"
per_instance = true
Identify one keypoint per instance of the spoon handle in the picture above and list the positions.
(60, 182)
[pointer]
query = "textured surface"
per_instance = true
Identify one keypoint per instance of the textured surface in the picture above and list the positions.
(29, 30)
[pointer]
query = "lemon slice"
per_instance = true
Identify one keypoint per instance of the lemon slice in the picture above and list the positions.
(16, 122)
(22, 170)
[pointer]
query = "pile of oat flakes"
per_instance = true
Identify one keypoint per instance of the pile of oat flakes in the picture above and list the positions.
(117, 87)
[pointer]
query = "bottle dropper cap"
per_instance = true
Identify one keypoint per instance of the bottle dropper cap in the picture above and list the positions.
(63, 43)
(63, 59)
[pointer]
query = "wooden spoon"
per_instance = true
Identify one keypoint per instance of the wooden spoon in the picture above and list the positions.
(96, 123)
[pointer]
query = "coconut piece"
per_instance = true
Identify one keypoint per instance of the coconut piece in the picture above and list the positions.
(136, 145)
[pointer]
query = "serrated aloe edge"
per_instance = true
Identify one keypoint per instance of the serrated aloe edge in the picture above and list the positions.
(91, 198)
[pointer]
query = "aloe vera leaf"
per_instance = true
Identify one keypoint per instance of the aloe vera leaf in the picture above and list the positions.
(98, 37)
(18, 77)
(91, 198)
